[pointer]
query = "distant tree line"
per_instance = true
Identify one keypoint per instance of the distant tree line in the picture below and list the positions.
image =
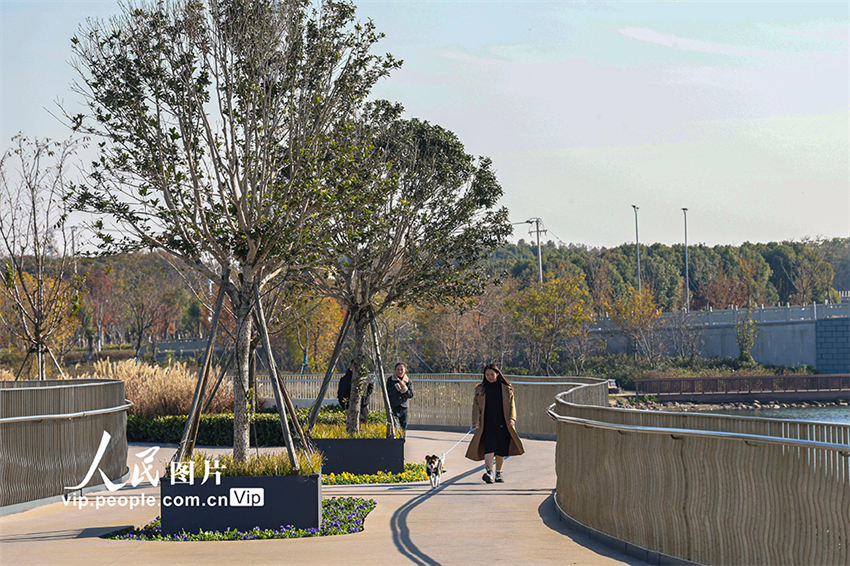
(795, 272)
(141, 299)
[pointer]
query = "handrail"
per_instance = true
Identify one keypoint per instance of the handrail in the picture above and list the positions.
(711, 489)
(421, 380)
(54, 383)
(50, 431)
(843, 449)
(784, 377)
(742, 384)
(63, 416)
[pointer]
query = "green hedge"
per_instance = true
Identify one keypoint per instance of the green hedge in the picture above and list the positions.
(217, 430)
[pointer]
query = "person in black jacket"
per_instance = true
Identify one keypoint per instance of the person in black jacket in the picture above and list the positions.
(343, 392)
(364, 399)
(399, 390)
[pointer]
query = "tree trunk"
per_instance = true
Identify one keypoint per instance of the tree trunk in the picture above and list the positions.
(39, 357)
(244, 326)
(361, 325)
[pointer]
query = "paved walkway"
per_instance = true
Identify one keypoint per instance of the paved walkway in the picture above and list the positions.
(463, 522)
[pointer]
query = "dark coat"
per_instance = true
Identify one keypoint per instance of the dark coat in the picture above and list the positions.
(364, 399)
(343, 392)
(398, 399)
(475, 451)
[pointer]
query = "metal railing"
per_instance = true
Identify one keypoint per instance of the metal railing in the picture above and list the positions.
(712, 489)
(50, 432)
(446, 399)
(762, 315)
(742, 385)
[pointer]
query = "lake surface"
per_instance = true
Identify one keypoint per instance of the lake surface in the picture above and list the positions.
(821, 414)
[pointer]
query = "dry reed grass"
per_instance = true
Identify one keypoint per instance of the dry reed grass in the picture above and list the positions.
(159, 391)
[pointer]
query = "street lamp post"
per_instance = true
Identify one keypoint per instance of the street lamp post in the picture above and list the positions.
(74, 247)
(687, 274)
(637, 247)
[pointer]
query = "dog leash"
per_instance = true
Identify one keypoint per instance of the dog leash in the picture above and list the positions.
(443, 457)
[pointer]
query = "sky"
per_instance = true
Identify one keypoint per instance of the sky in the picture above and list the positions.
(738, 111)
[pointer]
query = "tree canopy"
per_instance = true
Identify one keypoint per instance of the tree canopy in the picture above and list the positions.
(216, 122)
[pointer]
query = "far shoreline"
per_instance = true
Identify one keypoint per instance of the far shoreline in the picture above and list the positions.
(691, 407)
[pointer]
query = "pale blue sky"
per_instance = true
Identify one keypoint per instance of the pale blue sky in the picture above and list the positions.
(738, 111)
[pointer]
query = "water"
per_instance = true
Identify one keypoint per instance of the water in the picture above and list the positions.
(840, 415)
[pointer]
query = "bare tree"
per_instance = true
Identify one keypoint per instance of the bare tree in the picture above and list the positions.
(810, 271)
(580, 345)
(495, 331)
(685, 339)
(33, 180)
(452, 336)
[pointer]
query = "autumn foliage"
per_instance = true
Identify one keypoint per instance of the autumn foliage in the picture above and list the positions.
(638, 316)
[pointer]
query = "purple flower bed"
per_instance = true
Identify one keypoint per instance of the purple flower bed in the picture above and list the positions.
(340, 516)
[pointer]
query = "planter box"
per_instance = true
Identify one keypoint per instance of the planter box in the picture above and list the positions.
(361, 455)
(242, 503)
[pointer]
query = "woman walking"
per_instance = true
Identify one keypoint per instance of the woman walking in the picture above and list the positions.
(400, 391)
(494, 420)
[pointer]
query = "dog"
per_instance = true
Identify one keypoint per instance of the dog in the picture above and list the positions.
(434, 468)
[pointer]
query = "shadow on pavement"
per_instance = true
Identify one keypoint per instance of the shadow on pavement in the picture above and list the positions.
(68, 534)
(549, 514)
(401, 532)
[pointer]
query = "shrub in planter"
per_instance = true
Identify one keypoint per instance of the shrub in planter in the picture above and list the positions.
(265, 493)
(214, 430)
(217, 430)
(367, 452)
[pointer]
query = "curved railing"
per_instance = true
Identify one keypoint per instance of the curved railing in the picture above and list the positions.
(711, 489)
(50, 432)
(446, 399)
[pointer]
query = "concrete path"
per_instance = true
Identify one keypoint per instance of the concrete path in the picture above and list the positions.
(465, 521)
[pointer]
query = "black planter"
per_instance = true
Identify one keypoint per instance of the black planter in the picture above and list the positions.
(361, 455)
(242, 503)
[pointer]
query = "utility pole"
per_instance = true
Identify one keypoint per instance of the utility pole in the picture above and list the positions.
(537, 222)
(687, 275)
(537, 230)
(637, 247)
(74, 247)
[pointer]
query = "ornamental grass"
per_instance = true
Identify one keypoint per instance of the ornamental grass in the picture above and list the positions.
(156, 391)
(368, 430)
(267, 464)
